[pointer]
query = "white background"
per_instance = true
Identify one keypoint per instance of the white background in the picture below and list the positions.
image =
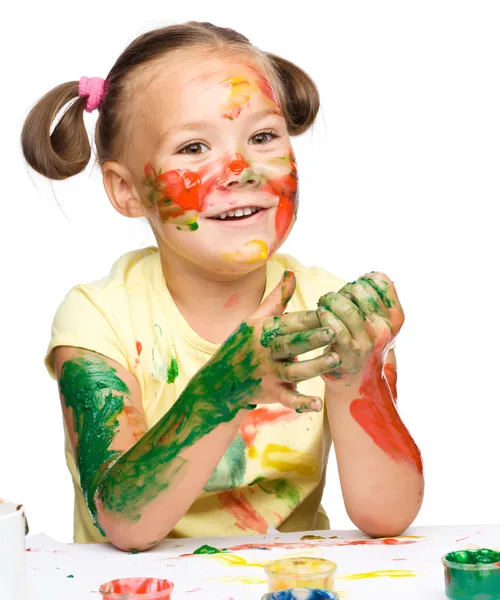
(400, 174)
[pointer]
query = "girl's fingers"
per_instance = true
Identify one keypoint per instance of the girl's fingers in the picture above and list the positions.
(292, 322)
(294, 344)
(344, 344)
(290, 398)
(386, 291)
(348, 314)
(307, 369)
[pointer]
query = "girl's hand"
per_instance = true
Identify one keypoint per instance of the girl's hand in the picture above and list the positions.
(366, 316)
(256, 364)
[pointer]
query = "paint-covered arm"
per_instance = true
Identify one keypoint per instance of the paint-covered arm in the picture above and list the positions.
(138, 485)
(379, 464)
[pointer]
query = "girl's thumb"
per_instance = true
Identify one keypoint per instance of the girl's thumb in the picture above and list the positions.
(278, 299)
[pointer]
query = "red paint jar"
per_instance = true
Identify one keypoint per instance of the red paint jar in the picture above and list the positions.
(137, 588)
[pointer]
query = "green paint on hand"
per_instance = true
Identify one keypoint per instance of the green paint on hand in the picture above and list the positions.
(224, 386)
(173, 371)
(91, 388)
(230, 472)
(269, 333)
(209, 550)
(381, 290)
(193, 226)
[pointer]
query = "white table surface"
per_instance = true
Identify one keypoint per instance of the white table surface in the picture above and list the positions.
(412, 565)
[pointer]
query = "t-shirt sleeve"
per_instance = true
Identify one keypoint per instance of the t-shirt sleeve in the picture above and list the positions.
(81, 321)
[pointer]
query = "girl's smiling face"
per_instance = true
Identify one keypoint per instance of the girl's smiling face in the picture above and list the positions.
(212, 162)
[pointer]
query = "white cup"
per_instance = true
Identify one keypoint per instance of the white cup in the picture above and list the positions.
(12, 551)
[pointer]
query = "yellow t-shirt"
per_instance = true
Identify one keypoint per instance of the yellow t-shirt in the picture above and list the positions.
(274, 471)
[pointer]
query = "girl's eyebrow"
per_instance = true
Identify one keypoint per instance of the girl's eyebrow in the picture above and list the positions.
(191, 126)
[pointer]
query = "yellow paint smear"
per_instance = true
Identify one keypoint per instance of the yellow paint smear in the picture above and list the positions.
(247, 580)
(252, 251)
(233, 560)
(286, 460)
(396, 574)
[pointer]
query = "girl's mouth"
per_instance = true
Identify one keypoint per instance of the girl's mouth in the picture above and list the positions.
(240, 214)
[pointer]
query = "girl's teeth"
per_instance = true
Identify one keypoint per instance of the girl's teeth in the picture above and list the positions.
(239, 212)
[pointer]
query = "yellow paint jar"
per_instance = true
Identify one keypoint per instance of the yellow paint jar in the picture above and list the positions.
(301, 572)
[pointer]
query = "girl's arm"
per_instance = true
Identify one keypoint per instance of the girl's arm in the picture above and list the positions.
(379, 464)
(103, 411)
(138, 485)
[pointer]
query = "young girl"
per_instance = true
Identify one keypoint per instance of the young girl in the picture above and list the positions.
(187, 409)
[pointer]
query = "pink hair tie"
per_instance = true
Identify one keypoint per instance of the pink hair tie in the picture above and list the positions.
(91, 88)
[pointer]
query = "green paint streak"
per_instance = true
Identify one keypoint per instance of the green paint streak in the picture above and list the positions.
(381, 289)
(93, 391)
(269, 333)
(70, 576)
(230, 472)
(223, 387)
(206, 549)
(173, 371)
(193, 226)
(281, 488)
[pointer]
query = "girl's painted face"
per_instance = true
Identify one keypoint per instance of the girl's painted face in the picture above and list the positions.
(218, 174)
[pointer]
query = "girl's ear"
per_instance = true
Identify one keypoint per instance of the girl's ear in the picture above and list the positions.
(121, 191)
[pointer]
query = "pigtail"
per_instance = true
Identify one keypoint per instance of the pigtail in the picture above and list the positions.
(301, 96)
(66, 151)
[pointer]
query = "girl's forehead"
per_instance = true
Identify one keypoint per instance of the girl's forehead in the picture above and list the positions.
(192, 74)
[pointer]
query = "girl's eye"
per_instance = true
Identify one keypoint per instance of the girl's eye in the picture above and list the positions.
(262, 137)
(193, 148)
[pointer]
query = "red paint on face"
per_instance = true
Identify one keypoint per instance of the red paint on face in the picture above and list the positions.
(375, 411)
(232, 301)
(179, 190)
(247, 519)
(238, 165)
(262, 416)
(286, 190)
(138, 345)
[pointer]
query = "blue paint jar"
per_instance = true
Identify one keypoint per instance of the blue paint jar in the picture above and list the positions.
(301, 594)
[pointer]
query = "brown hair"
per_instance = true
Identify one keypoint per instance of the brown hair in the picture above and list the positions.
(66, 151)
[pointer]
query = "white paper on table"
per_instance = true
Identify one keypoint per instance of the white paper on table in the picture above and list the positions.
(208, 577)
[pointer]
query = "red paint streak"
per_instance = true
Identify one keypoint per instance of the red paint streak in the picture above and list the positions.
(138, 345)
(391, 377)
(232, 301)
(238, 165)
(286, 190)
(263, 416)
(32, 549)
(399, 559)
(462, 539)
(375, 411)
(322, 543)
(265, 87)
(245, 514)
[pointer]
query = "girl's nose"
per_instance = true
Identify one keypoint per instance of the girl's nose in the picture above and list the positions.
(238, 173)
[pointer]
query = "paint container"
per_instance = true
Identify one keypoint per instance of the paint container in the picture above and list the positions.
(472, 574)
(137, 588)
(301, 594)
(301, 572)
(13, 528)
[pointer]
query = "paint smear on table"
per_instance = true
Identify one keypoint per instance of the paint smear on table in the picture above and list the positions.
(242, 579)
(395, 574)
(233, 560)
